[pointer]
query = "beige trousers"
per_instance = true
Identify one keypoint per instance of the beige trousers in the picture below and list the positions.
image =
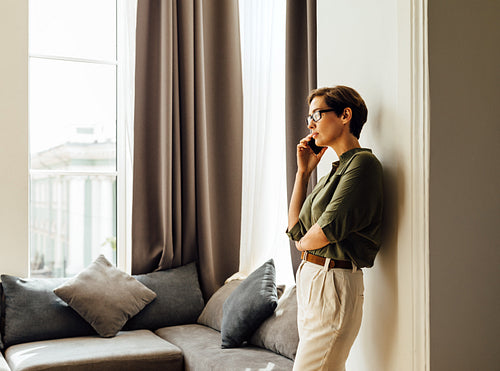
(330, 307)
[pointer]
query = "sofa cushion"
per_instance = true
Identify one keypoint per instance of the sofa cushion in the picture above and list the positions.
(178, 299)
(249, 305)
(202, 351)
(3, 364)
(105, 296)
(212, 313)
(128, 350)
(279, 332)
(33, 312)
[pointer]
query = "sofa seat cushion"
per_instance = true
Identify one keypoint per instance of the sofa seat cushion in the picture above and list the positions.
(129, 350)
(202, 351)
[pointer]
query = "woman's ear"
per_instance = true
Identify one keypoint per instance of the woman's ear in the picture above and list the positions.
(346, 115)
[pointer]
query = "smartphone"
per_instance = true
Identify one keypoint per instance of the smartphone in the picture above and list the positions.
(316, 149)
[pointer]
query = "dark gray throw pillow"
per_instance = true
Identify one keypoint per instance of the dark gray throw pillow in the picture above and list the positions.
(33, 312)
(178, 299)
(212, 313)
(250, 304)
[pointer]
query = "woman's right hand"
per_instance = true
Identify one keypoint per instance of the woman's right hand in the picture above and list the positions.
(307, 160)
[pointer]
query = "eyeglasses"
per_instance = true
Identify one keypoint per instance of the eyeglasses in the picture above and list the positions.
(316, 116)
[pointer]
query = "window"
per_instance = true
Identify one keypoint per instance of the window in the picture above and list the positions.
(76, 134)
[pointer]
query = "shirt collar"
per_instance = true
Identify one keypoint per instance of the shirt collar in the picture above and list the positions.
(346, 156)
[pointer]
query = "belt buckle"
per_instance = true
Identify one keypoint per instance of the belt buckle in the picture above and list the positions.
(304, 255)
(332, 263)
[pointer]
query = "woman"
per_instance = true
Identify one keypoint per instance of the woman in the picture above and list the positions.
(337, 228)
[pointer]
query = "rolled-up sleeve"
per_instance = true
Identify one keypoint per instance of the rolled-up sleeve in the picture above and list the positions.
(302, 226)
(295, 234)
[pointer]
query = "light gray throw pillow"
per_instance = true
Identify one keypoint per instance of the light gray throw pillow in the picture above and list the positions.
(212, 313)
(252, 302)
(105, 296)
(279, 332)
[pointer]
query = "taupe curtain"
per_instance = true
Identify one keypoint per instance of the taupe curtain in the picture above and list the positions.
(188, 138)
(300, 79)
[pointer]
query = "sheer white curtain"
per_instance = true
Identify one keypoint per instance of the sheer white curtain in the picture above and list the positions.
(126, 25)
(264, 205)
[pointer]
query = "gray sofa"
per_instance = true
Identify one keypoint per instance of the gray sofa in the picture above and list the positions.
(176, 331)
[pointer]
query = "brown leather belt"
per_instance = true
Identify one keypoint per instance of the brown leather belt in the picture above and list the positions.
(321, 261)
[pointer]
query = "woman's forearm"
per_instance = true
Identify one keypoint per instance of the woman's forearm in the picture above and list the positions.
(314, 239)
(298, 196)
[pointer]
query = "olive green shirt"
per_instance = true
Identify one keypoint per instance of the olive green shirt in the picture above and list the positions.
(347, 205)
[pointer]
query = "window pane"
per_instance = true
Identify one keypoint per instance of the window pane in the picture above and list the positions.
(72, 220)
(73, 28)
(72, 115)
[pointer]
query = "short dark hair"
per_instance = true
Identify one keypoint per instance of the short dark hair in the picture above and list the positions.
(339, 98)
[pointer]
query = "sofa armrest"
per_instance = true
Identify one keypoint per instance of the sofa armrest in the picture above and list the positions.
(3, 364)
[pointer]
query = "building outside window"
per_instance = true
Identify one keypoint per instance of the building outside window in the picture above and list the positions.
(74, 134)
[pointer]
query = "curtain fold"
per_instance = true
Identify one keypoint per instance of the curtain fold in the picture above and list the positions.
(301, 77)
(188, 138)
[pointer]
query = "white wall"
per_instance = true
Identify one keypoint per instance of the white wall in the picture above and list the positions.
(464, 68)
(14, 137)
(366, 45)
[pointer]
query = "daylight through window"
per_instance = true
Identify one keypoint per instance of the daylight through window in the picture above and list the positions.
(72, 134)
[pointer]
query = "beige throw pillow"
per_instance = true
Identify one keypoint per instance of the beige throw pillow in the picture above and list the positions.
(105, 296)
